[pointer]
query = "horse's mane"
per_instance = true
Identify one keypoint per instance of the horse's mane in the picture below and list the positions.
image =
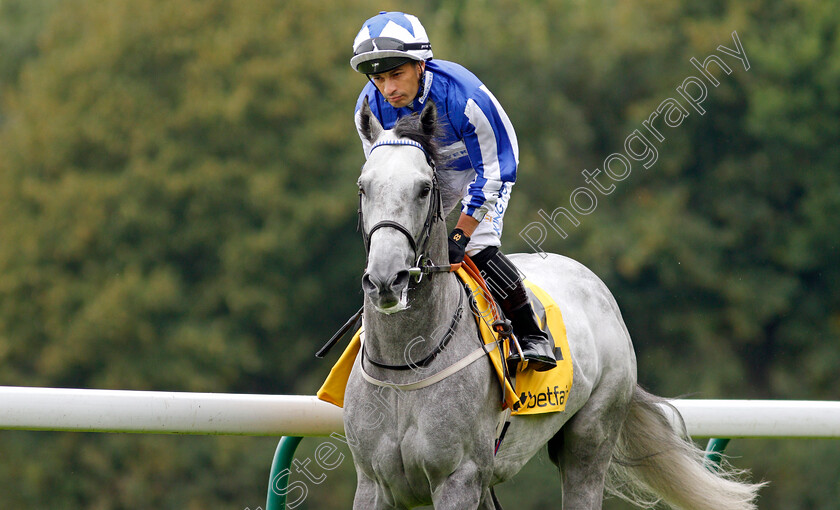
(412, 128)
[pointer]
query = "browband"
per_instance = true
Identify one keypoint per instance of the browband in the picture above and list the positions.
(404, 141)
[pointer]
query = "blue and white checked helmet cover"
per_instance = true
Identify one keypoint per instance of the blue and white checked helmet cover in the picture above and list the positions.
(397, 25)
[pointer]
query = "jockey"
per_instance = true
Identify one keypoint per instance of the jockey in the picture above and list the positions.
(479, 147)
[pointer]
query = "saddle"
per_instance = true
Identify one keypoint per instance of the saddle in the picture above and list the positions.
(526, 391)
(534, 392)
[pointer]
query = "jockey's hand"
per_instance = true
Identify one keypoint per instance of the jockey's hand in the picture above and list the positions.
(458, 241)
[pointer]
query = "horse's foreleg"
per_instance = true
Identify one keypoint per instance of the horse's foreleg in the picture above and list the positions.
(368, 496)
(462, 490)
(365, 492)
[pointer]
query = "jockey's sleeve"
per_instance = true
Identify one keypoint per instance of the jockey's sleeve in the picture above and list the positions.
(492, 148)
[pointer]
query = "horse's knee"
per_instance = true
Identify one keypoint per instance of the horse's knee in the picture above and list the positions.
(463, 489)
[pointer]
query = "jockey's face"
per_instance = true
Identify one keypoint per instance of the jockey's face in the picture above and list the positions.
(399, 86)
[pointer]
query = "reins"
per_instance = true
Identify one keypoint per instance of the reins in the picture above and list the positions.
(447, 336)
(424, 265)
(419, 246)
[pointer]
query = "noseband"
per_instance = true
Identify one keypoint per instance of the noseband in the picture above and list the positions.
(420, 245)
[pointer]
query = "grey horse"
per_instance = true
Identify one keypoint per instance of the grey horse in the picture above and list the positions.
(416, 444)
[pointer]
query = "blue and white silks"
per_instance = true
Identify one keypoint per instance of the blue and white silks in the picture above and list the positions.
(478, 141)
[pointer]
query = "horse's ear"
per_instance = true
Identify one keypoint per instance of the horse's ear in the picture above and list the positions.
(368, 124)
(428, 119)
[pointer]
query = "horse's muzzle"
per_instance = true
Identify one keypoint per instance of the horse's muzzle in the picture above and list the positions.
(386, 290)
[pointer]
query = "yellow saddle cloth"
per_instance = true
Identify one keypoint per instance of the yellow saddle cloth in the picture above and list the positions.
(534, 392)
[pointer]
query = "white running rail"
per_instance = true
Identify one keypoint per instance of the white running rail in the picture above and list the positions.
(156, 412)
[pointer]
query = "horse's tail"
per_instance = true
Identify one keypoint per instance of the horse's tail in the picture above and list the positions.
(651, 461)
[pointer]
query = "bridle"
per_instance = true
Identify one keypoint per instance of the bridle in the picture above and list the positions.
(423, 264)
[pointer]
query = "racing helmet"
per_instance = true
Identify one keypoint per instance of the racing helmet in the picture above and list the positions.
(389, 40)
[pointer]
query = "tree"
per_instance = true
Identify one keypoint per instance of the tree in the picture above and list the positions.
(177, 211)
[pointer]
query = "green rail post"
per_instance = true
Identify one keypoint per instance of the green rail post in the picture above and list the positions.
(279, 479)
(714, 451)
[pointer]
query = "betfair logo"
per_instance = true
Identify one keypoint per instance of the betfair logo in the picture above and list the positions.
(543, 398)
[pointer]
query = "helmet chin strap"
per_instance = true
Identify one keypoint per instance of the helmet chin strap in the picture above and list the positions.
(421, 83)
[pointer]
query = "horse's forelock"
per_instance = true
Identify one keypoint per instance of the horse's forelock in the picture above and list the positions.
(410, 127)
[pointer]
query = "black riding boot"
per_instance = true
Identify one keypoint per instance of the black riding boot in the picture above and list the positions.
(507, 288)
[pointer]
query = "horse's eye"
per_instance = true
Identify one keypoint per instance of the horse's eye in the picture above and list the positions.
(425, 191)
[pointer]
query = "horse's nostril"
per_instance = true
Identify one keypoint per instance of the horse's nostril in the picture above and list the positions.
(400, 281)
(367, 284)
(374, 284)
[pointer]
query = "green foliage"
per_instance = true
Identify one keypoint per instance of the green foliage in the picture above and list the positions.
(161, 194)
(21, 22)
(177, 212)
